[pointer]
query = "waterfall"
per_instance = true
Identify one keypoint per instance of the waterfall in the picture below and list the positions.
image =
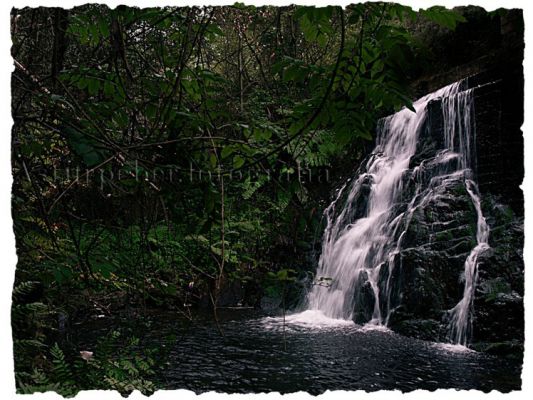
(366, 222)
(461, 323)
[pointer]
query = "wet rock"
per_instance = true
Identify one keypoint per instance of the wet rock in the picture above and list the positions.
(427, 275)
(425, 329)
(431, 264)
(364, 303)
(498, 303)
(513, 349)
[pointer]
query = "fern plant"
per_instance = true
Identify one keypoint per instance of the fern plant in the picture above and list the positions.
(37, 381)
(62, 373)
(30, 319)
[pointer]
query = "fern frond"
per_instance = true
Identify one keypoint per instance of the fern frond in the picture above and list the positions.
(252, 187)
(61, 369)
(24, 289)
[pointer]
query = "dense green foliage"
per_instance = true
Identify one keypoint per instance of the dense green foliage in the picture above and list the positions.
(161, 155)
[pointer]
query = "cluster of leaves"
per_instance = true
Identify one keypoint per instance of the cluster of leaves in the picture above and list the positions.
(117, 364)
(118, 361)
(32, 320)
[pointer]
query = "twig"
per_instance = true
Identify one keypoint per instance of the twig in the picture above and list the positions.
(77, 180)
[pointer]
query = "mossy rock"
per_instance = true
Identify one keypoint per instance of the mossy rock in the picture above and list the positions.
(512, 349)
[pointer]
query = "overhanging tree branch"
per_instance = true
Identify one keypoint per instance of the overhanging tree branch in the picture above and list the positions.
(320, 107)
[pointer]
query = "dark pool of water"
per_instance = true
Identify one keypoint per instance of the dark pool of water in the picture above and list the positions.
(258, 355)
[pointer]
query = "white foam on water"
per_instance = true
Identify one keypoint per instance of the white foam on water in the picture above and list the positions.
(374, 327)
(452, 348)
(311, 319)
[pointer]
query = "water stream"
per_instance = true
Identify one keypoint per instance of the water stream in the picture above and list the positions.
(255, 356)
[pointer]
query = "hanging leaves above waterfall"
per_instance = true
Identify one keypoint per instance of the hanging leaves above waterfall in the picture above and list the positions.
(262, 81)
(162, 154)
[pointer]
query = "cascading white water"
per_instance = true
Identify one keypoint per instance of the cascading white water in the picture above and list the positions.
(352, 250)
(460, 314)
(359, 241)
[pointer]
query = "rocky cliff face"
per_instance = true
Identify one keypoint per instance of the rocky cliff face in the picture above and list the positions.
(428, 271)
(489, 47)
(430, 267)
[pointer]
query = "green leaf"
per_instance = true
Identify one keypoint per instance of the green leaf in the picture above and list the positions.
(151, 111)
(93, 85)
(92, 158)
(213, 160)
(322, 40)
(227, 151)
(82, 83)
(238, 162)
(104, 27)
(109, 89)
(84, 147)
(105, 269)
(442, 16)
